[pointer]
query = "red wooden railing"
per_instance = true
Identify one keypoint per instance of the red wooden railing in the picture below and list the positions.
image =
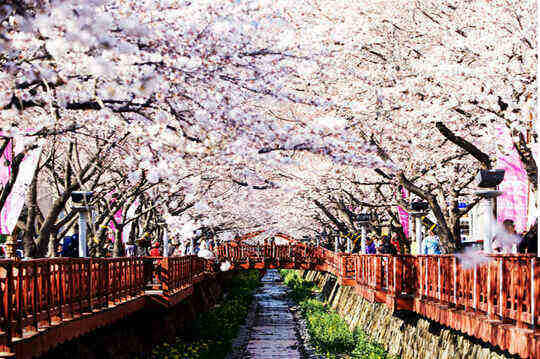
(39, 294)
(36, 294)
(506, 287)
(487, 301)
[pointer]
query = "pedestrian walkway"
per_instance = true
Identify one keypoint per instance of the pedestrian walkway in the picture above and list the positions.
(273, 334)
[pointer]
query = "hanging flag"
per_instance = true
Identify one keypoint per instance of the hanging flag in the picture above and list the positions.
(512, 203)
(403, 214)
(15, 201)
(129, 215)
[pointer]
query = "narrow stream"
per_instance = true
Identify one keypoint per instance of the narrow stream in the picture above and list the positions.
(273, 334)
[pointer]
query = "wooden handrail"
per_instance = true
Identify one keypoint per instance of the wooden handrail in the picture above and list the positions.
(39, 293)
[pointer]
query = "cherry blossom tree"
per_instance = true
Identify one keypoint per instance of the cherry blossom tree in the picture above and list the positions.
(258, 114)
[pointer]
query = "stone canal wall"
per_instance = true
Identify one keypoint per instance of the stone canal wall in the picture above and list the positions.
(405, 334)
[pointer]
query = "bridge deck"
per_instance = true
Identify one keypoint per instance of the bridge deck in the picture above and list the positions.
(45, 302)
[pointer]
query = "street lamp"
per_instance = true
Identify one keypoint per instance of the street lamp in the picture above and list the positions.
(80, 203)
(488, 180)
(363, 219)
(419, 210)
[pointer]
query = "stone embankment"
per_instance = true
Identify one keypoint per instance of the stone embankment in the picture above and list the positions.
(404, 334)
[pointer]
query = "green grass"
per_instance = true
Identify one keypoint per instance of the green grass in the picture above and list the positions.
(330, 334)
(213, 332)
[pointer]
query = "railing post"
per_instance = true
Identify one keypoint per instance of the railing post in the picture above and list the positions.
(106, 263)
(191, 270)
(9, 304)
(501, 293)
(533, 294)
(387, 261)
(18, 320)
(164, 278)
(48, 292)
(475, 295)
(490, 290)
(35, 311)
(378, 273)
(399, 275)
(454, 286)
(60, 291)
(426, 270)
(89, 283)
(439, 289)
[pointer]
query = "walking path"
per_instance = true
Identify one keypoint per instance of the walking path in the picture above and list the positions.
(273, 334)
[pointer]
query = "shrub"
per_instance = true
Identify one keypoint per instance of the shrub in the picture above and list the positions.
(329, 333)
(212, 333)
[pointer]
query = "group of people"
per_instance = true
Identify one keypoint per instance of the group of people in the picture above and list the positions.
(374, 244)
(505, 240)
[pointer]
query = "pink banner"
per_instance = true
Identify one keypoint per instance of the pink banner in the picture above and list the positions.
(512, 204)
(11, 210)
(403, 215)
(118, 218)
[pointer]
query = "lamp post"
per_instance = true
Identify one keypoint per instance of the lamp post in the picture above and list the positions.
(363, 219)
(487, 204)
(165, 241)
(80, 204)
(488, 180)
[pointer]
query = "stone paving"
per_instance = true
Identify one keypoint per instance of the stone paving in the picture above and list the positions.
(273, 334)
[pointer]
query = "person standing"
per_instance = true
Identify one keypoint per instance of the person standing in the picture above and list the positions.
(130, 250)
(395, 242)
(155, 252)
(529, 243)
(431, 244)
(387, 247)
(370, 246)
(70, 246)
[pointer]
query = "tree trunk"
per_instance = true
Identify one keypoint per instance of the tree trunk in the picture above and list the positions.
(53, 245)
(29, 245)
(118, 248)
(48, 226)
(447, 240)
(342, 227)
(527, 158)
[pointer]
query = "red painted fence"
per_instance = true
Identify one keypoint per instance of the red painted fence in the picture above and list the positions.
(498, 302)
(40, 295)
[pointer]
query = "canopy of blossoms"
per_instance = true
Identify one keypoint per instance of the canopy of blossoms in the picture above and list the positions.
(254, 114)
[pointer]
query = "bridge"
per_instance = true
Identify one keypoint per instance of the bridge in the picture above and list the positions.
(45, 302)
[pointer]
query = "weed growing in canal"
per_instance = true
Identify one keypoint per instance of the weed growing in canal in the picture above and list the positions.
(300, 289)
(330, 334)
(213, 332)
